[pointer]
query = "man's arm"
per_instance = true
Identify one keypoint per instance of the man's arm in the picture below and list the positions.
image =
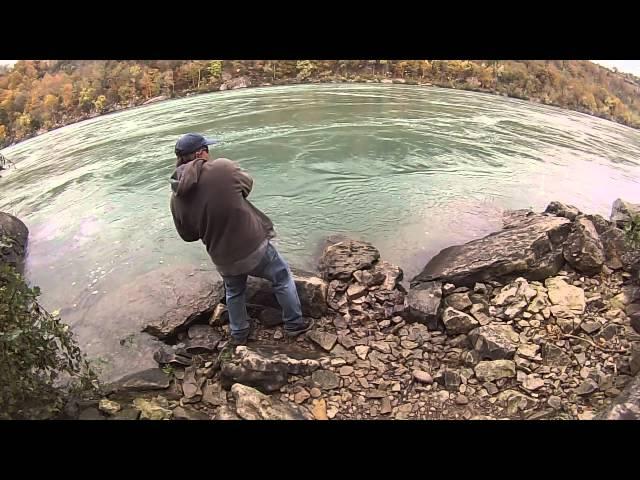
(245, 181)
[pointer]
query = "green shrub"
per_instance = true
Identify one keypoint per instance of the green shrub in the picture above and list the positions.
(40, 361)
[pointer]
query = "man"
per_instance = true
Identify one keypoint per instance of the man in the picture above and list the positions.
(209, 203)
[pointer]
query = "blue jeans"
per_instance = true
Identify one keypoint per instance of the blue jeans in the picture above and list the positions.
(272, 267)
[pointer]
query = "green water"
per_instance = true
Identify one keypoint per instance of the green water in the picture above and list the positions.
(411, 169)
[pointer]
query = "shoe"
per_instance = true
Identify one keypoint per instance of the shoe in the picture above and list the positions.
(245, 337)
(307, 325)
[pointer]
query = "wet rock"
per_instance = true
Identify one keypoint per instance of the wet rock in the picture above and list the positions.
(461, 400)
(151, 379)
(186, 413)
(456, 322)
(424, 303)
(253, 405)
(583, 249)
(184, 301)
(561, 210)
(325, 340)
(489, 371)
(14, 236)
(495, 341)
(155, 409)
(325, 379)
(340, 260)
(565, 295)
(531, 249)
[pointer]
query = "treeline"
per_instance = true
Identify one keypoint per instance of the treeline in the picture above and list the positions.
(38, 95)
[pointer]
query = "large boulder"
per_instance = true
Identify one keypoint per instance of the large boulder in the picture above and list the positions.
(495, 341)
(183, 302)
(146, 380)
(583, 249)
(253, 405)
(14, 236)
(424, 303)
(622, 212)
(312, 292)
(530, 248)
(340, 260)
(618, 252)
(625, 406)
(267, 367)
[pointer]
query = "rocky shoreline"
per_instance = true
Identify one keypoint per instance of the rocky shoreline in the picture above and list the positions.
(540, 320)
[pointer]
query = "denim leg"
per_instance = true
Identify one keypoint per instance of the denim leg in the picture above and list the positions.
(235, 287)
(275, 269)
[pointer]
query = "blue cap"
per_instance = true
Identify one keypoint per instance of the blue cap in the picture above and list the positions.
(191, 142)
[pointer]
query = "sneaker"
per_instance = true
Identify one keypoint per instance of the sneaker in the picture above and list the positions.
(308, 324)
(243, 338)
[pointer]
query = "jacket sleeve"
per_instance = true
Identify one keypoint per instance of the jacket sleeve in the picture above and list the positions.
(244, 179)
(183, 230)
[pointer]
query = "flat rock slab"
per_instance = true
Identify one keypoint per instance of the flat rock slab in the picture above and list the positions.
(151, 379)
(532, 249)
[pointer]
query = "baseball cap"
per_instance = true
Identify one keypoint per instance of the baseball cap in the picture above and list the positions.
(191, 142)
